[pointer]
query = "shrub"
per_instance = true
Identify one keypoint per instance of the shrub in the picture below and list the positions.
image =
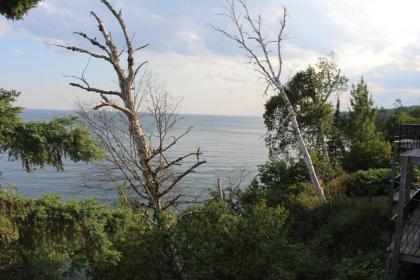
(371, 182)
(47, 238)
(368, 266)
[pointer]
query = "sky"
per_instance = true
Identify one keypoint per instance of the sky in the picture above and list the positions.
(376, 39)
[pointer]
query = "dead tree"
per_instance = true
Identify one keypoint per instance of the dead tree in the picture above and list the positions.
(266, 55)
(141, 156)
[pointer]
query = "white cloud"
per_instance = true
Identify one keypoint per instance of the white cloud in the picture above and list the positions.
(17, 52)
(379, 31)
(368, 38)
(211, 83)
(48, 8)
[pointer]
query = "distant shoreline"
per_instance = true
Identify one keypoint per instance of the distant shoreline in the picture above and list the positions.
(68, 111)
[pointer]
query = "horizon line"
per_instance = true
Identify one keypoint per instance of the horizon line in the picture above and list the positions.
(180, 113)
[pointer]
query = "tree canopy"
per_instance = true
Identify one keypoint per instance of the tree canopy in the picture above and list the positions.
(309, 92)
(16, 9)
(368, 148)
(39, 143)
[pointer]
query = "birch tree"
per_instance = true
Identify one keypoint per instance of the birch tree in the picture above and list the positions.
(309, 92)
(266, 55)
(119, 126)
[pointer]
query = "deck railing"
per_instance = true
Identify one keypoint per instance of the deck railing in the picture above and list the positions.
(408, 137)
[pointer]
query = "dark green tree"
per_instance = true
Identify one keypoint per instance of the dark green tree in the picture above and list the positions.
(391, 120)
(39, 143)
(336, 140)
(16, 9)
(368, 148)
(42, 143)
(309, 92)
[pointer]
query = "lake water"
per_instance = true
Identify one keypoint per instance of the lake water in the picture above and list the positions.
(233, 147)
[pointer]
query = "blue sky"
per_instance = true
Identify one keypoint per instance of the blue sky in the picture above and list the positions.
(378, 39)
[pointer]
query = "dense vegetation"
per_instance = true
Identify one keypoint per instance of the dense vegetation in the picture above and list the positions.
(50, 239)
(38, 144)
(275, 228)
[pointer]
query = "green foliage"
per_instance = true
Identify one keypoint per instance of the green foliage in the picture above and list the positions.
(210, 242)
(46, 143)
(352, 226)
(345, 232)
(9, 115)
(368, 149)
(43, 143)
(50, 238)
(372, 182)
(390, 121)
(336, 140)
(309, 93)
(367, 266)
(16, 9)
(215, 244)
(279, 182)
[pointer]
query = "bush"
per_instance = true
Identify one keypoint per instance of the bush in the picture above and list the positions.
(215, 244)
(211, 242)
(371, 182)
(300, 239)
(368, 266)
(47, 238)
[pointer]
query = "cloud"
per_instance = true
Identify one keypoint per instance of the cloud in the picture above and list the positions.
(17, 52)
(49, 8)
(210, 83)
(378, 30)
(377, 39)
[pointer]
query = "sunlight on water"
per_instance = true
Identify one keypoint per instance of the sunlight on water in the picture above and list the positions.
(229, 144)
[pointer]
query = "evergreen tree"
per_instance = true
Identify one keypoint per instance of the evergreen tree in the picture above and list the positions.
(42, 143)
(336, 139)
(367, 149)
(16, 9)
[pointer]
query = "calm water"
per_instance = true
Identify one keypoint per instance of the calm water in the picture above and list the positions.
(231, 146)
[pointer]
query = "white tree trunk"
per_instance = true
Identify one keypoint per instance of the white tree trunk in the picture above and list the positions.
(247, 38)
(319, 191)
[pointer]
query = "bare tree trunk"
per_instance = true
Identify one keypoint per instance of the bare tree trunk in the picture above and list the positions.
(249, 33)
(147, 169)
(319, 191)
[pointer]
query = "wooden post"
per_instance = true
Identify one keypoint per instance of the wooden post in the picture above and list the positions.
(219, 189)
(400, 219)
(393, 175)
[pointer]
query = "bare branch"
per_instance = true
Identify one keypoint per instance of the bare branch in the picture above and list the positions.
(173, 143)
(100, 91)
(141, 157)
(80, 50)
(182, 175)
(115, 61)
(130, 51)
(94, 42)
(113, 105)
(139, 67)
(246, 40)
(176, 161)
(171, 202)
(141, 47)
